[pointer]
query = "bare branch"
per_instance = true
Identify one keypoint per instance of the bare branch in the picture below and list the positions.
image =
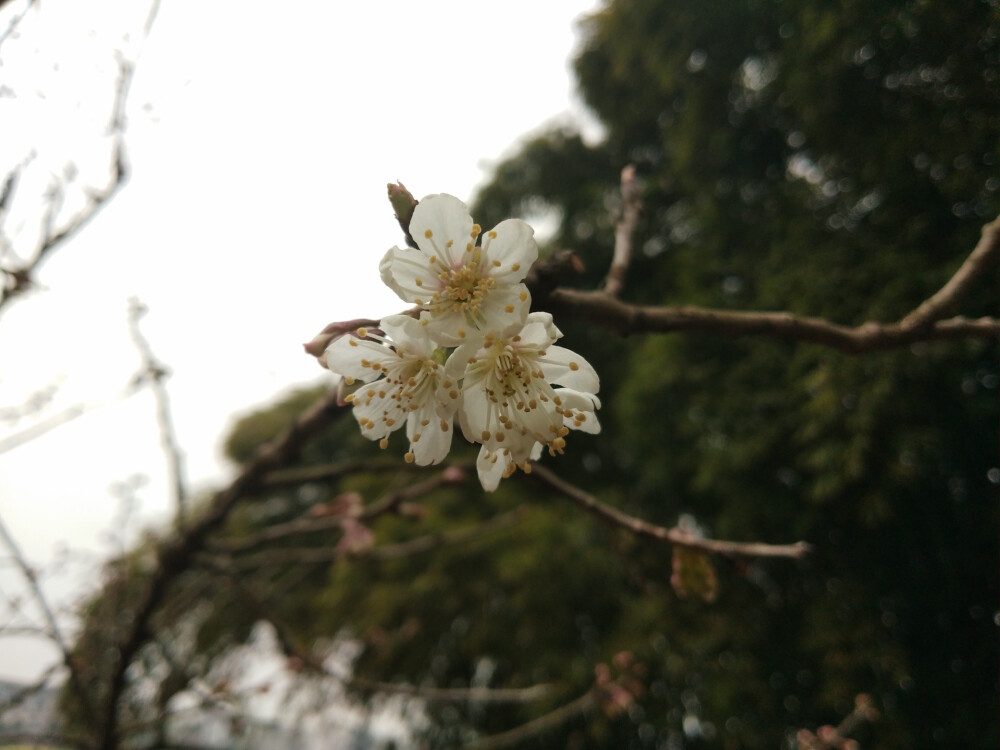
(923, 324)
(16, 20)
(53, 631)
(675, 535)
(177, 554)
(983, 257)
(552, 720)
(155, 373)
(600, 309)
(327, 554)
(625, 228)
(19, 279)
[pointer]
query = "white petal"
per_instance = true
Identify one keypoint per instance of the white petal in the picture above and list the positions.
(408, 334)
(345, 356)
(433, 443)
(491, 468)
(504, 307)
(459, 359)
(438, 220)
(568, 368)
(402, 268)
(512, 244)
(585, 403)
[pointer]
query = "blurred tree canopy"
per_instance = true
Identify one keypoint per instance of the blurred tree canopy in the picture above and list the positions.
(833, 159)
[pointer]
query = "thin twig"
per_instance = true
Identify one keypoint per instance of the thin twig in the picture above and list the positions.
(52, 629)
(625, 228)
(675, 535)
(550, 721)
(326, 553)
(922, 324)
(155, 373)
(16, 20)
(598, 308)
(983, 257)
(176, 555)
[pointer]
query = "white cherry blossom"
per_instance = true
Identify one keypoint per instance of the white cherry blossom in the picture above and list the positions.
(509, 404)
(465, 289)
(402, 382)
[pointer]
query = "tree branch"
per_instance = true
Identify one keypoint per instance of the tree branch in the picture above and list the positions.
(675, 535)
(552, 720)
(52, 629)
(625, 228)
(924, 323)
(155, 373)
(176, 555)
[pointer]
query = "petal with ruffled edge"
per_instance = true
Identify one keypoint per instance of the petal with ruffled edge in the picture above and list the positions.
(582, 408)
(566, 367)
(442, 227)
(353, 357)
(509, 250)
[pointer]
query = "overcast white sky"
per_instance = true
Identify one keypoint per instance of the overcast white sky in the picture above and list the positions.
(261, 137)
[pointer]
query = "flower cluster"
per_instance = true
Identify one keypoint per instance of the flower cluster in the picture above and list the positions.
(475, 353)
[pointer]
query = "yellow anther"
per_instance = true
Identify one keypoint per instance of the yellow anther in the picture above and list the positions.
(500, 437)
(515, 266)
(496, 263)
(353, 341)
(486, 435)
(416, 438)
(389, 421)
(409, 457)
(523, 296)
(492, 235)
(444, 426)
(428, 233)
(509, 308)
(383, 443)
(362, 332)
(574, 366)
(476, 231)
(419, 282)
(453, 393)
(449, 243)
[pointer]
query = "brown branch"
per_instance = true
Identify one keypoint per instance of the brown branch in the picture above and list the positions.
(675, 535)
(625, 227)
(600, 309)
(19, 279)
(52, 629)
(326, 554)
(983, 257)
(154, 373)
(923, 324)
(176, 555)
(550, 721)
